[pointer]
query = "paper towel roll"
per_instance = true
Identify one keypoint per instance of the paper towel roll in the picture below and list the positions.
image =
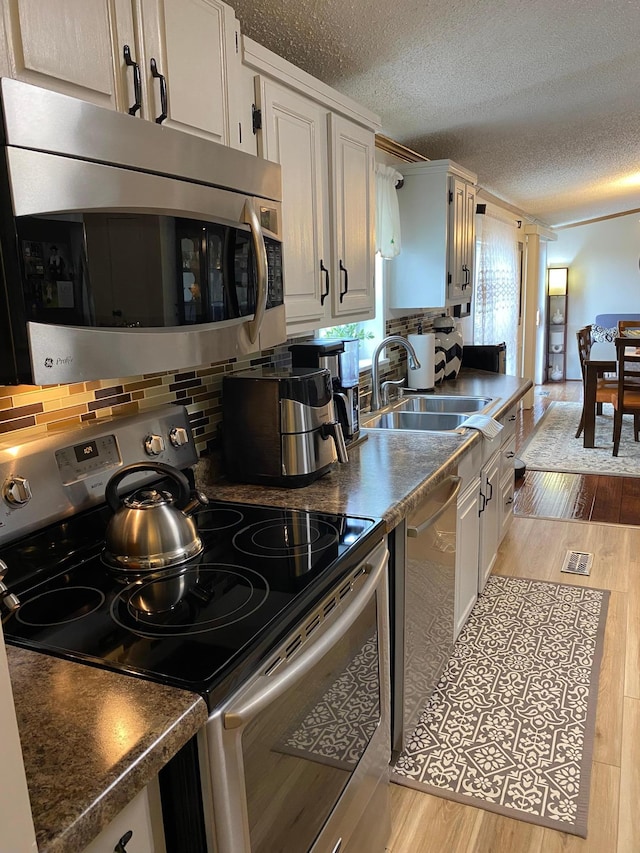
(422, 379)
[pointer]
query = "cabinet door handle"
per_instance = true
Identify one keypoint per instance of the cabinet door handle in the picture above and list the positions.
(467, 276)
(510, 454)
(163, 90)
(121, 845)
(137, 82)
(490, 495)
(327, 282)
(483, 502)
(511, 418)
(343, 269)
(508, 501)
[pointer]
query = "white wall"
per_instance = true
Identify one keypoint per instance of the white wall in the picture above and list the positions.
(16, 826)
(604, 277)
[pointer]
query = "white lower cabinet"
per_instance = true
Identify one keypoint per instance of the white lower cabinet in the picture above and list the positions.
(485, 511)
(467, 547)
(137, 828)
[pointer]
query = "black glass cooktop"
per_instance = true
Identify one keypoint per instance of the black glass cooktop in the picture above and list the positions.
(197, 625)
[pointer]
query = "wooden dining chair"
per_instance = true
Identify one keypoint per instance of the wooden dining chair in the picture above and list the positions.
(626, 400)
(604, 388)
(624, 325)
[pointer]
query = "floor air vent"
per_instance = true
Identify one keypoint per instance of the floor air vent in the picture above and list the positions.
(577, 563)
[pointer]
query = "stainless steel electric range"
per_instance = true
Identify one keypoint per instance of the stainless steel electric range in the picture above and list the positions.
(280, 614)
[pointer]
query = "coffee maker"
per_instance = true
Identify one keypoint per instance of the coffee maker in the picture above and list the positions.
(341, 358)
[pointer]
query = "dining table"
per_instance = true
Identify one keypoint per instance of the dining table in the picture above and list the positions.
(601, 360)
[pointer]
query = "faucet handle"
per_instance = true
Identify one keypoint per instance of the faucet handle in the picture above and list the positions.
(385, 387)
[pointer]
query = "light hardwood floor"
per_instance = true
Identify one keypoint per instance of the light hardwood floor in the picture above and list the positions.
(535, 548)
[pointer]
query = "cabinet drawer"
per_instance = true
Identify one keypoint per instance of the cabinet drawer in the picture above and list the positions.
(508, 421)
(507, 486)
(507, 457)
(471, 463)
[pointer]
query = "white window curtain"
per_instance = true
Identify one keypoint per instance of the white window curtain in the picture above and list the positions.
(496, 299)
(387, 211)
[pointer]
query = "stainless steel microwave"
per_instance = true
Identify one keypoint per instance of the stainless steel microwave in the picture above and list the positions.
(128, 247)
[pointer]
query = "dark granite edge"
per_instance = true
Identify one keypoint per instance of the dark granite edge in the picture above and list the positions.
(91, 740)
(121, 790)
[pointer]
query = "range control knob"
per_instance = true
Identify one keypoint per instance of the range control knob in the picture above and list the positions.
(16, 491)
(179, 436)
(154, 445)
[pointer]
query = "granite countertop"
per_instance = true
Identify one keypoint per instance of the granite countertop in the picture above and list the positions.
(91, 740)
(387, 475)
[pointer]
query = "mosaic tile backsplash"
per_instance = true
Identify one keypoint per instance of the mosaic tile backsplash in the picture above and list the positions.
(28, 411)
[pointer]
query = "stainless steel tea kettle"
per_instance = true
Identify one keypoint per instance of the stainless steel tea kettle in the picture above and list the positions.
(151, 528)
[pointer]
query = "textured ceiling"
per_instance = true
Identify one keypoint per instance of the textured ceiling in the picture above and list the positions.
(539, 98)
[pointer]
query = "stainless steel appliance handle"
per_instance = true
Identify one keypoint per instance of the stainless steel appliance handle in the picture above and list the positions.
(455, 482)
(334, 431)
(253, 220)
(267, 689)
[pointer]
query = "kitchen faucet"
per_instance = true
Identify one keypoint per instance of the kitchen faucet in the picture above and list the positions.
(414, 363)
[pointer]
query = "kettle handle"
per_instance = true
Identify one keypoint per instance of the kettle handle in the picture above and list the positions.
(184, 492)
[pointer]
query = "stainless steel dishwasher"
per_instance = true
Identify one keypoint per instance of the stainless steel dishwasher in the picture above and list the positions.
(423, 604)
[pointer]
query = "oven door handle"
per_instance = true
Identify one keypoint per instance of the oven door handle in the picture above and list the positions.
(260, 249)
(267, 688)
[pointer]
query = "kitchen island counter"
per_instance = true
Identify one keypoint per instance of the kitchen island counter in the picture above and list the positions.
(91, 740)
(388, 474)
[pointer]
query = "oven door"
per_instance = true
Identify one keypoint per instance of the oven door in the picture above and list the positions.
(298, 754)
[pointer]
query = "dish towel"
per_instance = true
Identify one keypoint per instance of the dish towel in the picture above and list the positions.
(487, 425)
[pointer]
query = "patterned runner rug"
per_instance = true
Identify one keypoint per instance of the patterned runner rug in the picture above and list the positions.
(510, 726)
(552, 446)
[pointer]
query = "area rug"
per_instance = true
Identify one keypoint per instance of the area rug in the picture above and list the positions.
(510, 726)
(552, 446)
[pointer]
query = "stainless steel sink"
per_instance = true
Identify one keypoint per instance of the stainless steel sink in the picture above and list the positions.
(424, 421)
(442, 403)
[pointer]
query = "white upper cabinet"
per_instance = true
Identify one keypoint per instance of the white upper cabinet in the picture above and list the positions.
(294, 134)
(170, 61)
(72, 46)
(352, 152)
(462, 231)
(326, 150)
(194, 47)
(437, 218)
